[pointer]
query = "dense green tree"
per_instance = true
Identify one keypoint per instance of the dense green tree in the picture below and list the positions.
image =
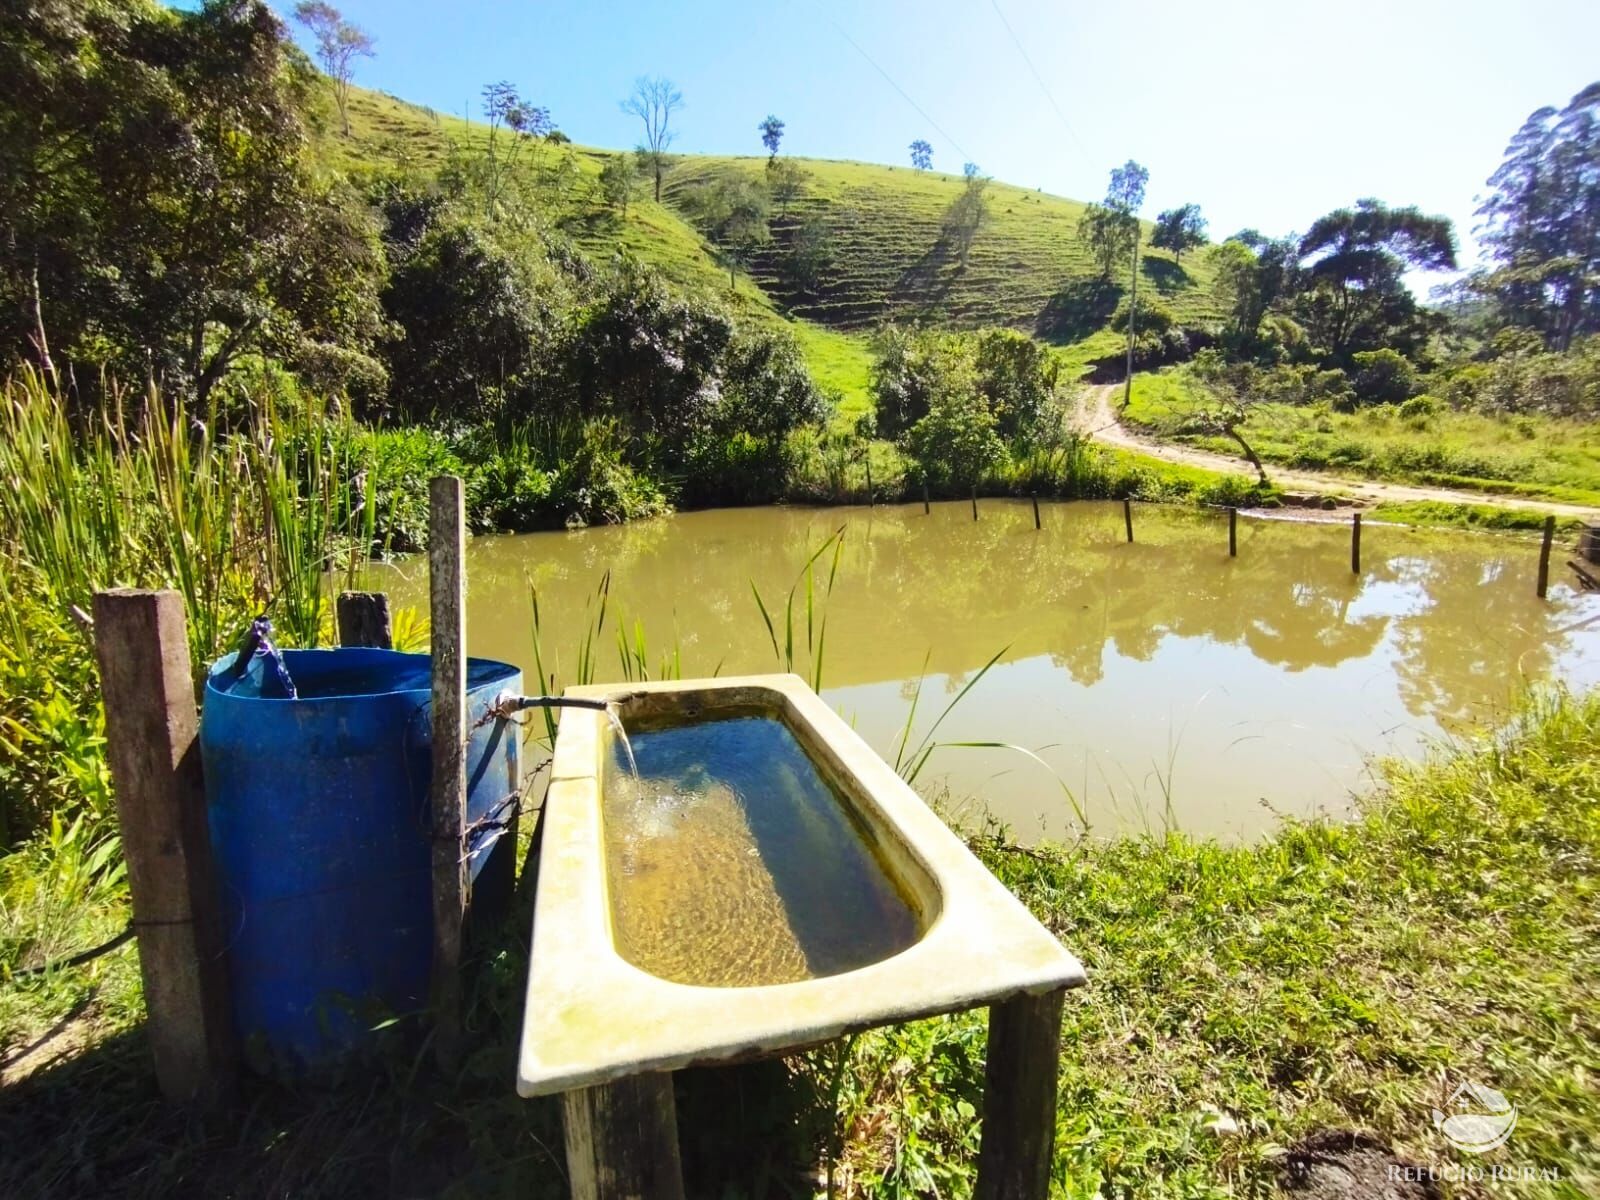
(1108, 236)
(771, 137)
(157, 214)
(1542, 223)
(649, 357)
(1179, 229)
(339, 44)
(616, 183)
(786, 180)
(1252, 275)
(1382, 376)
(1016, 376)
(1355, 259)
(732, 212)
(810, 254)
(956, 442)
(921, 155)
(653, 101)
(469, 326)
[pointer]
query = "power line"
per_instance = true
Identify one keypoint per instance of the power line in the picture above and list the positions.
(1037, 78)
(939, 129)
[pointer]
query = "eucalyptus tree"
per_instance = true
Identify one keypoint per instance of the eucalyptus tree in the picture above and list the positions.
(1542, 223)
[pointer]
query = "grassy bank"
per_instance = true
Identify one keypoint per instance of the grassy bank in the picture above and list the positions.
(1240, 997)
(1527, 454)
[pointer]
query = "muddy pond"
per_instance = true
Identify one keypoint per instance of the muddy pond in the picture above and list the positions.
(1159, 684)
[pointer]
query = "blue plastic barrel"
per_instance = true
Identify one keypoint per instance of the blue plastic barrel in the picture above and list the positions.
(319, 817)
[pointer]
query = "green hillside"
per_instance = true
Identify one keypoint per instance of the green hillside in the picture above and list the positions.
(386, 133)
(1027, 268)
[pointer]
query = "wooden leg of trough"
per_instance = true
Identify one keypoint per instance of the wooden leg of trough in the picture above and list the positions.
(1019, 1098)
(622, 1140)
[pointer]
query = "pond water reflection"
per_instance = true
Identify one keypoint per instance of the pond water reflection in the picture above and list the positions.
(1162, 682)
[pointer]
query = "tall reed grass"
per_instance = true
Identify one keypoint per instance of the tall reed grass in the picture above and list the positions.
(242, 517)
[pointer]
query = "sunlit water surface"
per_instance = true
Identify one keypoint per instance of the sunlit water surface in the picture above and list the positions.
(1161, 683)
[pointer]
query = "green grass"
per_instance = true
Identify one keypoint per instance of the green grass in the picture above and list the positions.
(1333, 975)
(1525, 455)
(1027, 268)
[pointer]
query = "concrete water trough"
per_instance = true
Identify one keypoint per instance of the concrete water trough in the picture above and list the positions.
(763, 883)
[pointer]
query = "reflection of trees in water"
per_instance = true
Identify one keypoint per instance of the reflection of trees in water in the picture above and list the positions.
(1477, 633)
(954, 592)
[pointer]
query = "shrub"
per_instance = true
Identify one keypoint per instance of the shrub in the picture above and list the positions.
(401, 462)
(1382, 377)
(1420, 406)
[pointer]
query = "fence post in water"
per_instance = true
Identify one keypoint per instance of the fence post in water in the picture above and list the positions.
(1036, 524)
(448, 792)
(1355, 543)
(364, 620)
(926, 509)
(622, 1140)
(869, 480)
(1127, 516)
(1233, 533)
(153, 747)
(1019, 1099)
(974, 502)
(1544, 555)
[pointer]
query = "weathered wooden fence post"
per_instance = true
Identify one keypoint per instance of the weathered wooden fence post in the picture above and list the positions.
(869, 479)
(1036, 524)
(1019, 1099)
(974, 502)
(1544, 555)
(926, 508)
(364, 620)
(1233, 533)
(448, 792)
(1127, 516)
(622, 1140)
(152, 743)
(1355, 543)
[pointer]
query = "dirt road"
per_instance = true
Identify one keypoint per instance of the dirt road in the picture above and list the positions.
(1097, 417)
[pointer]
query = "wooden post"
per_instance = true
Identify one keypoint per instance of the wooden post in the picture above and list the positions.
(622, 1140)
(869, 480)
(448, 794)
(1127, 516)
(1355, 543)
(152, 743)
(1233, 533)
(1019, 1099)
(974, 502)
(1036, 524)
(364, 620)
(926, 509)
(1544, 555)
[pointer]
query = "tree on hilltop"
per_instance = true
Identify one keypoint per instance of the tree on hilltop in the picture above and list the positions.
(921, 155)
(654, 100)
(339, 44)
(771, 136)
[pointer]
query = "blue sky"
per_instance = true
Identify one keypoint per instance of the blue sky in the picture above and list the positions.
(1266, 114)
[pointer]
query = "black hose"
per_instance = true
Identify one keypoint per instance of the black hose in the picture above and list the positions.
(518, 703)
